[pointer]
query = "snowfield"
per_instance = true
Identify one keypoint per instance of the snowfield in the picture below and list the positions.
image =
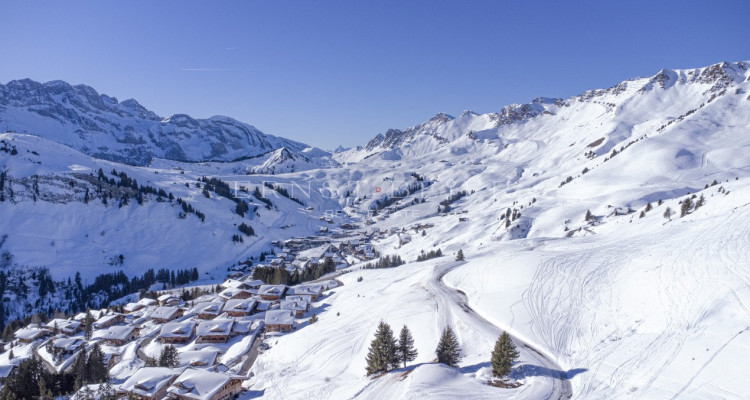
(633, 302)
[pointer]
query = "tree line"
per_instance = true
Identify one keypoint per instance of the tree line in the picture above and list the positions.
(387, 353)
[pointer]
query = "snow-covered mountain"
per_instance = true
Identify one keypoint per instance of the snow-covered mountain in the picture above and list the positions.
(127, 132)
(647, 297)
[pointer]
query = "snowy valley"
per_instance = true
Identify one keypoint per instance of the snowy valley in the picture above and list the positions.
(608, 233)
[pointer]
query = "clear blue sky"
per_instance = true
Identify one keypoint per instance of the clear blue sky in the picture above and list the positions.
(339, 72)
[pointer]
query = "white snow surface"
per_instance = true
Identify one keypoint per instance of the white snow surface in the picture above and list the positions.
(624, 307)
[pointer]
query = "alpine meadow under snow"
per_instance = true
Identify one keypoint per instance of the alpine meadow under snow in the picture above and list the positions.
(608, 233)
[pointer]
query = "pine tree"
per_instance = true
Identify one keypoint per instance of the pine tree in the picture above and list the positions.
(313, 318)
(79, 370)
(382, 354)
(648, 207)
(589, 216)
(89, 325)
(686, 206)
(448, 350)
(701, 201)
(169, 357)
(503, 355)
(668, 213)
(460, 255)
(96, 370)
(405, 350)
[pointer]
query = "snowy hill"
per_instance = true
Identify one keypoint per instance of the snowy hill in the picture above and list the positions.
(630, 302)
(126, 132)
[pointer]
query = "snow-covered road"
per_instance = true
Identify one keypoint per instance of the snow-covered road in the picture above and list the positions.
(453, 308)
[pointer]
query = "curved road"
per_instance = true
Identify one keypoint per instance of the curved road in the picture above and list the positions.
(456, 301)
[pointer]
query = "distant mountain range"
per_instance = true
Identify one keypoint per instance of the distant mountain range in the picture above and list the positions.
(126, 132)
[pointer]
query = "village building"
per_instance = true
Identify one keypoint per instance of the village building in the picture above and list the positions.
(95, 315)
(177, 332)
(252, 284)
(149, 383)
(207, 310)
(117, 335)
(214, 331)
(30, 333)
(109, 320)
(169, 300)
(239, 307)
(279, 320)
(198, 384)
(304, 298)
(139, 305)
(66, 345)
(298, 308)
(272, 292)
(312, 290)
(235, 293)
(198, 358)
(164, 314)
(66, 326)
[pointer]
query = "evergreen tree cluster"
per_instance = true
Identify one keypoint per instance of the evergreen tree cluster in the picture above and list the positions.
(246, 229)
(258, 195)
(31, 380)
(687, 205)
(282, 191)
(510, 216)
(169, 357)
(218, 186)
(281, 276)
(237, 238)
(388, 200)
(424, 256)
(454, 197)
(385, 262)
(386, 353)
(125, 182)
(187, 208)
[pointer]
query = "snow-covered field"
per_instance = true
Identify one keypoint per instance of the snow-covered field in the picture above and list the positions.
(630, 304)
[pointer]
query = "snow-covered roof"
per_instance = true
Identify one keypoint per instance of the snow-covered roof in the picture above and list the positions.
(198, 358)
(149, 380)
(279, 317)
(305, 289)
(232, 284)
(199, 384)
(147, 302)
(5, 370)
(67, 344)
(253, 283)
(166, 297)
(164, 312)
(293, 305)
(232, 292)
(29, 333)
(208, 307)
(215, 327)
(121, 332)
(240, 305)
(303, 298)
(177, 329)
(106, 319)
(272, 290)
(63, 324)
